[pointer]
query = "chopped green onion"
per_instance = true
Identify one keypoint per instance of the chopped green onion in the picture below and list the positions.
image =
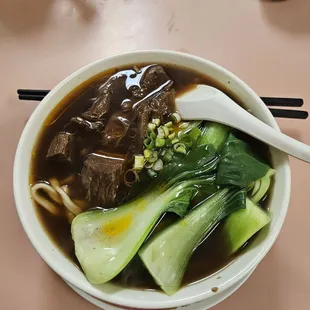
(156, 121)
(147, 153)
(148, 165)
(169, 124)
(139, 162)
(175, 140)
(192, 125)
(158, 165)
(171, 136)
(180, 148)
(175, 117)
(162, 153)
(149, 143)
(153, 157)
(166, 130)
(171, 129)
(160, 142)
(161, 132)
(184, 125)
(152, 174)
(167, 157)
(152, 135)
(151, 127)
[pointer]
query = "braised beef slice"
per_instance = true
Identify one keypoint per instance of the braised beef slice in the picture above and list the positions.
(103, 101)
(62, 147)
(158, 106)
(101, 176)
(117, 127)
(152, 78)
(143, 119)
(87, 125)
(163, 104)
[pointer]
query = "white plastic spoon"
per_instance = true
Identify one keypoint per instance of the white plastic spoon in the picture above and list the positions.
(208, 103)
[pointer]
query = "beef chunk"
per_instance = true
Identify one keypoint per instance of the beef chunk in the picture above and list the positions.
(84, 124)
(62, 147)
(163, 104)
(103, 101)
(158, 106)
(117, 127)
(143, 119)
(101, 176)
(152, 78)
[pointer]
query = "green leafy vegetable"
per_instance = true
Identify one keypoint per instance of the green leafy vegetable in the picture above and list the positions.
(167, 254)
(261, 186)
(215, 134)
(194, 134)
(105, 242)
(238, 166)
(240, 226)
(199, 161)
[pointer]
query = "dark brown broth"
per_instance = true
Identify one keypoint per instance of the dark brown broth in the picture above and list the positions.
(208, 258)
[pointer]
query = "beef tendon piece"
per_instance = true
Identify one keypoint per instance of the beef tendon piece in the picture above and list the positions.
(87, 125)
(151, 79)
(158, 106)
(103, 101)
(101, 176)
(62, 147)
(163, 104)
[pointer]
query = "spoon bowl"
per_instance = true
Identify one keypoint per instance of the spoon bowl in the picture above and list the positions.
(209, 103)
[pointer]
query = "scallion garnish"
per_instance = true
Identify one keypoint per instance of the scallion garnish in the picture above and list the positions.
(160, 142)
(152, 174)
(156, 121)
(175, 140)
(184, 125)
(158, 165)
(147, 153)
(179, 148)
(139, 162)
(175, 117)
(171, 136)
(153, 157)
(149, 143)
(151, 127)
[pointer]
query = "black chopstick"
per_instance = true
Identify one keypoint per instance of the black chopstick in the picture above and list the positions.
(283, 113)
(31, 97)
(39, 94)
(283, 102)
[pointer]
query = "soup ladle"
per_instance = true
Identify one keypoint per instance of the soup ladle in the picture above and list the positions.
(208, 103)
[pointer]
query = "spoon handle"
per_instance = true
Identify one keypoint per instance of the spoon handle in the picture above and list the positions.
(225, 111)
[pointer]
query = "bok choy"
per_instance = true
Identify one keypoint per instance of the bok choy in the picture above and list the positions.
(238, 166)
(166, 255)
(215, 134)
(243, 224)
(105, 242)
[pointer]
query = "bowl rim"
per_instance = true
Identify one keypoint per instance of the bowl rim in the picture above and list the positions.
(19, 164)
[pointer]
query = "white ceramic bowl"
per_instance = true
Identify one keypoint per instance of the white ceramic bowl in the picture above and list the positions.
(230, 275)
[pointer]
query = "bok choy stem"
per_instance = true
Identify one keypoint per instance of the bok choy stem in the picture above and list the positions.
(105, 242)
(167, 254)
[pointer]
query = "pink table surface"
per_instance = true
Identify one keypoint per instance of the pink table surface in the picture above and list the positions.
(266, 44)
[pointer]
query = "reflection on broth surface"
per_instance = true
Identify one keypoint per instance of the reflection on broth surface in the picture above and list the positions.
(112, 139)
